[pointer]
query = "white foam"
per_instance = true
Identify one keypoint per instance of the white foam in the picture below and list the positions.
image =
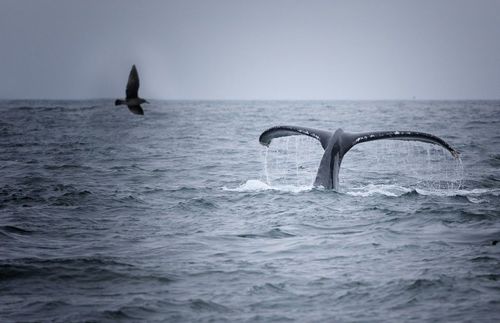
(254, 185)
(476, 200)
(392, 190)
(382, 189)
(460, 192)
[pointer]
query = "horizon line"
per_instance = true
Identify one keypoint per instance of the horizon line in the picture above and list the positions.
(247, 99)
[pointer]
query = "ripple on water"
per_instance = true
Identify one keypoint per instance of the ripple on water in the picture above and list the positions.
(275, 233)
(194, 204)
(81, 276)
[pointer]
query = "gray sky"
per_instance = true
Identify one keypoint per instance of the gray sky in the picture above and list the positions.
(259, 49)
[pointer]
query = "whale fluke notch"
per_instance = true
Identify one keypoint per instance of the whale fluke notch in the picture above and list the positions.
(337, 144)
(283, 131)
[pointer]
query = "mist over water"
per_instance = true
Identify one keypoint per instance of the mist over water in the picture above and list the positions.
(182, 215)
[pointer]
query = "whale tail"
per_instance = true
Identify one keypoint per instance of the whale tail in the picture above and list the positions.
(337, 144)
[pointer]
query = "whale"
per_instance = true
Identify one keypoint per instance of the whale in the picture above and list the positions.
(337, 144)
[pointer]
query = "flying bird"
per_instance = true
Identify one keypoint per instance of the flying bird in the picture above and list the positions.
(133, 101)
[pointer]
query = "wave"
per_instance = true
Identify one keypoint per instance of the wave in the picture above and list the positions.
(84, 269)
(66, 199)
(71, 167)
(10, 232)
(260, 289)
(36, 191)
(14, 229)
(271, 234)
(196, 203)
(202, 305)
(423, 284)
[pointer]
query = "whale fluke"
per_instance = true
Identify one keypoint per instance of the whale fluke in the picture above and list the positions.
(132, 100)
(337, 144)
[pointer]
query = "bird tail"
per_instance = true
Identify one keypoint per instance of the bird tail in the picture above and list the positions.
(119, 102)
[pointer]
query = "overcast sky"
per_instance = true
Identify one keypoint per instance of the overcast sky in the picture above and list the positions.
(259, 49)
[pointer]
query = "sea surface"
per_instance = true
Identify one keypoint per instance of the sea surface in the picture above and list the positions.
(182, 216)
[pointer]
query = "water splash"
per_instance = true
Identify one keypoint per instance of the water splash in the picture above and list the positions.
(292, 161)
(371, 189)
(254, 185)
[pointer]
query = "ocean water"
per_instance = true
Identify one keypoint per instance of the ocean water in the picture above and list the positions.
(182, 216)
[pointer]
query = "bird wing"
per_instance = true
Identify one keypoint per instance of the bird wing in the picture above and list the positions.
(136, 109)
(132, 84)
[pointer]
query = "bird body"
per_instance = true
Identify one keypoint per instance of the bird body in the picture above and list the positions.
(132, 100)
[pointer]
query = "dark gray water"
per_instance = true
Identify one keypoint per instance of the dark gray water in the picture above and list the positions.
(181, 215)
